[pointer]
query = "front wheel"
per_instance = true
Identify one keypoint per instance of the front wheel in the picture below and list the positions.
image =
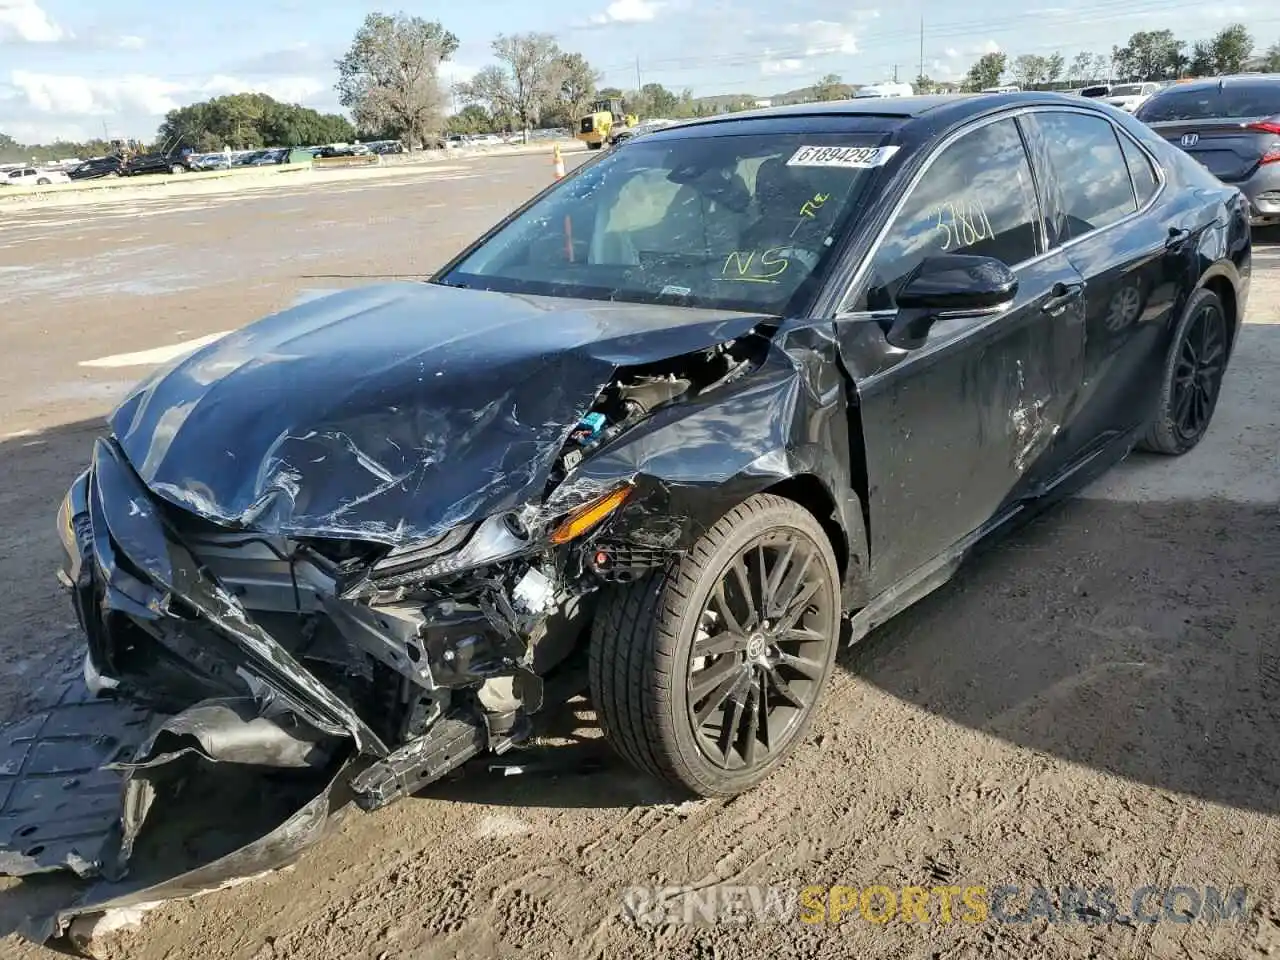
(1192, 377)
(177, 169)
(594, 146)
(42, 182)
(706, 673)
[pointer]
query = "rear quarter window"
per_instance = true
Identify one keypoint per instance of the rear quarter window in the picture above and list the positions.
(1143, 174)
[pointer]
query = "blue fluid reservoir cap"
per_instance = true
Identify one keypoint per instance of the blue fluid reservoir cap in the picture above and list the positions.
(592, 424)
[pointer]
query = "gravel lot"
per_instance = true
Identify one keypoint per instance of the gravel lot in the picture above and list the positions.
(1095, 700)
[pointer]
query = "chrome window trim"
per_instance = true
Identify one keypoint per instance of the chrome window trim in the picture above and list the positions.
(1161, 182)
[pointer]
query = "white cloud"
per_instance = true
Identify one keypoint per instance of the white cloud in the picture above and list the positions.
(284, 89)
(130, 42)
(987, 46)
(822, 37)
(39, 107)
(773, 68)
(64, 94)
(1228, 12)
(25, 21)
(628, 11)
(951, 53)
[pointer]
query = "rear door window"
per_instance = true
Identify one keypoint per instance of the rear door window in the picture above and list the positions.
(977, 198)
(1261, 99)
(1089, 170)
(1143, 174)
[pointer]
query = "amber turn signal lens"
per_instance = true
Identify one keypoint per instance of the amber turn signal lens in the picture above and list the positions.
(588, 515)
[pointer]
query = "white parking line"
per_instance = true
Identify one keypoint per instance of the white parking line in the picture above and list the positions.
(156, 356)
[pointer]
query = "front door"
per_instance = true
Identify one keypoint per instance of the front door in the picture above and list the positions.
(955, 430)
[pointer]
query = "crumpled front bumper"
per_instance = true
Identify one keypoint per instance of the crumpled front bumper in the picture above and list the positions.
(128, 561)
(231, 783)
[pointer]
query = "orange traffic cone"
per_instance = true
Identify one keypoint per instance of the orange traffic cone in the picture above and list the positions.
(558, 161)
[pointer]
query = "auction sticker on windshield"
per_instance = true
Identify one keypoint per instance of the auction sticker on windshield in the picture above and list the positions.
(841, 156)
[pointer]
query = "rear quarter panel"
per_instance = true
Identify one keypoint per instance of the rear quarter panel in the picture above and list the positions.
(1218, 217)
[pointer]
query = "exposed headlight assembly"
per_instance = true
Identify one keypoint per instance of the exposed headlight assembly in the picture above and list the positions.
(496, 538)
(471, 545)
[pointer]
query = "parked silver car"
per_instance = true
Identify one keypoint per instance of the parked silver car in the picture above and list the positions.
(1232, 126)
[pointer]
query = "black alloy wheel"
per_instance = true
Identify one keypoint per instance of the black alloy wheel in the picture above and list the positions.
(1197, 377)
(758, 661)
(707, 672)
(1192, 378)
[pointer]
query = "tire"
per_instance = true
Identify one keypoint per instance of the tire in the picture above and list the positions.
(42, 182)
(1202, 330)
(645, 678)
(177, 169)
(594, 146)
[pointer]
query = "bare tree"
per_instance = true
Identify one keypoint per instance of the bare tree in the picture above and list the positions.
(491, 89)
(829, 87)
(1029, 70)
(529, 79)
(578, 81)
(1102, 67)
(1053, 66)
(390, 77)
(1081, 65)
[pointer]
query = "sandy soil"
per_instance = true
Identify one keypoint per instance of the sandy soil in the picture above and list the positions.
(1095, 700)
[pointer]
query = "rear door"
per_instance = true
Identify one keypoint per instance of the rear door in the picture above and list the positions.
(1105, 214)
(1228, 128)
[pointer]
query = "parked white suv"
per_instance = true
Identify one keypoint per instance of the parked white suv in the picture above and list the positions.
(30, 177)
(1130, 96)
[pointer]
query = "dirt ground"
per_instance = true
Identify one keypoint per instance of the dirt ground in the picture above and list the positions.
(1093, 701)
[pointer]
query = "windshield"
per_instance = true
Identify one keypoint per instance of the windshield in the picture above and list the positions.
(1127, 90)
(731, 222)
(1208, 103)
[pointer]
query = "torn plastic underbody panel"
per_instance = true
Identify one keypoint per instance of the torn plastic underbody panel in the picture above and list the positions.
(251, 626)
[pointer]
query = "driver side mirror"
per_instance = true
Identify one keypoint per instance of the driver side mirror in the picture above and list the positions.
(952, 284)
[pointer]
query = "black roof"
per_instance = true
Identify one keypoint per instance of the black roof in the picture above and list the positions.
(949, 107)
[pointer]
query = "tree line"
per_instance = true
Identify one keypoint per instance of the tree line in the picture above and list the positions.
(1148, 55)
(390, 81)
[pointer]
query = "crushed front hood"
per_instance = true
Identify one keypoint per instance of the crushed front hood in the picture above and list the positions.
(390, 413)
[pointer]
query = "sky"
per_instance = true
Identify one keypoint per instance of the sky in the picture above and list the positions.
(75, 69)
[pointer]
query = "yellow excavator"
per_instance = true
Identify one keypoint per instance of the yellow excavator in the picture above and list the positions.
(596, 127)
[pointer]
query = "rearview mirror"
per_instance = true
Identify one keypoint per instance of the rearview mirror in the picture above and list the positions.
(954, 284)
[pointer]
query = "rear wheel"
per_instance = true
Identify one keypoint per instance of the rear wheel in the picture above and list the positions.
(43, 182)
(706, 674)
(177, 168)
(594, 146)
(1192, 377)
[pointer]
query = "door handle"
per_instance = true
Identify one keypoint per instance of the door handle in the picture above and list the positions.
(1177, 237)
(1061, 296)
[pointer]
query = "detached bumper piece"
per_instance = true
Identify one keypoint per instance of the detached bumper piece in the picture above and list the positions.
(223, 792)
(59, 803)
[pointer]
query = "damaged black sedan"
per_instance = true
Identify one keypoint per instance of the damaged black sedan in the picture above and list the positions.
(717, 398)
